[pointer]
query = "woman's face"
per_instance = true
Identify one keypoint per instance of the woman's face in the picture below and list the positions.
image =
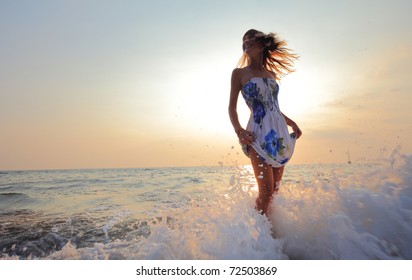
(250, 45)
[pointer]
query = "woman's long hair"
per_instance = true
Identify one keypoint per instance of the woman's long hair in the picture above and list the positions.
(276, 56)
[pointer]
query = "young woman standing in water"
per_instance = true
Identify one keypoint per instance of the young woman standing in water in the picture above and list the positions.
(266, 139)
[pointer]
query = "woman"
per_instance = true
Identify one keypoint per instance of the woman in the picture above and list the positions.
(266, 139)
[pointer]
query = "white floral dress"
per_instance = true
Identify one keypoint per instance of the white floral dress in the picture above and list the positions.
(273, 143)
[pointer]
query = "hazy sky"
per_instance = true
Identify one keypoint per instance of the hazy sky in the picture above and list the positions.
(88, 84)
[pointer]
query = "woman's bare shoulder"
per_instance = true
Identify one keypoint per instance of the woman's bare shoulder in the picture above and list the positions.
(238, 72)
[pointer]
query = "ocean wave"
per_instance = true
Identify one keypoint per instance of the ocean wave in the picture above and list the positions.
(13, 199)
(332, 213)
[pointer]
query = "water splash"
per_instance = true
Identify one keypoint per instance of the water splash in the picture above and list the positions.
(320, 212)
(366, 216)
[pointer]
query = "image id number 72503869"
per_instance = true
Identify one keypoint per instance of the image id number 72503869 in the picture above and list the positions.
(244, 270)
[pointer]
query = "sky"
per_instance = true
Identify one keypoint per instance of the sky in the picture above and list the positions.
(128, 84)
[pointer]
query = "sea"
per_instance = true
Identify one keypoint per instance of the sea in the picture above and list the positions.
(322, 212)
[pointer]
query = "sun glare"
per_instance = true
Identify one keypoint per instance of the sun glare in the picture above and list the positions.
(295, 96)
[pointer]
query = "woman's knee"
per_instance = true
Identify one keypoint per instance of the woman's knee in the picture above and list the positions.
(265, 196)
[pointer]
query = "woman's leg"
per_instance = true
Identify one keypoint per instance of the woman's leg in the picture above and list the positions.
(277, 177)
(265, 180)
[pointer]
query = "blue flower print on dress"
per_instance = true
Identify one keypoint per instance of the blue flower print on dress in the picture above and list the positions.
(274, 145)
(250, 92)
(259, 112)
(252, 97)
(271, 143)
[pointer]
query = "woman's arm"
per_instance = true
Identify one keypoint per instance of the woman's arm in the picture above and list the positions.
(293, 125)
(235, 87)
(245, 137)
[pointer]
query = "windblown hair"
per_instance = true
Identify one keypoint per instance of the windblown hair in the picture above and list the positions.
(276, 56)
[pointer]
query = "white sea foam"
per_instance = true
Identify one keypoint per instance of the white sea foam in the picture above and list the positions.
(366, 215)
(321, 212)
